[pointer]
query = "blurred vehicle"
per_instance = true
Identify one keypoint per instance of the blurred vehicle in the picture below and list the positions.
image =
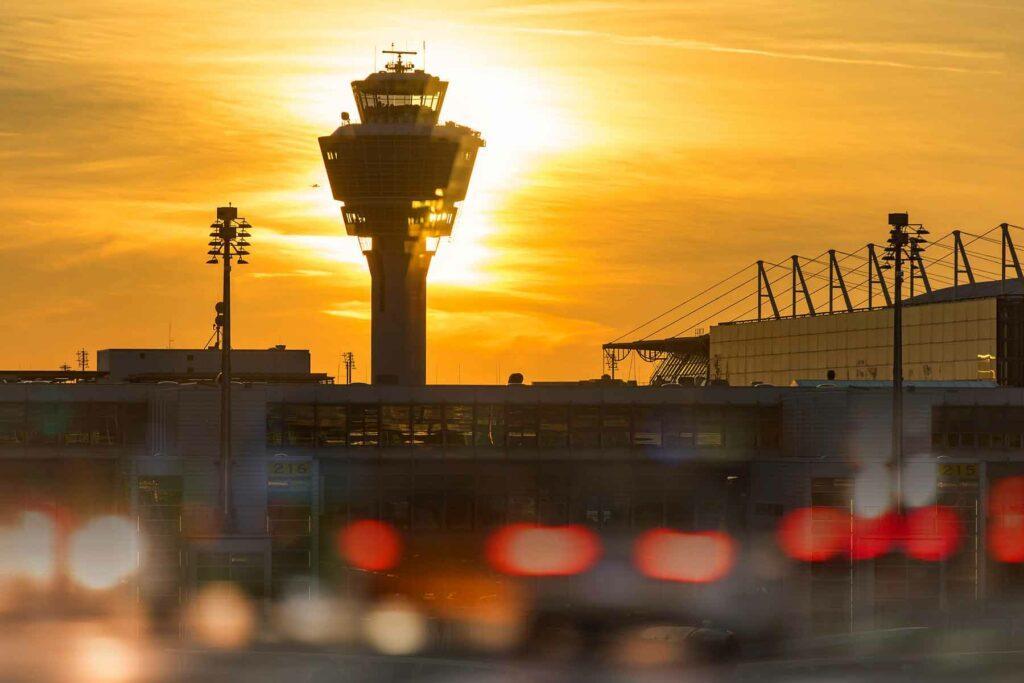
(567, 593)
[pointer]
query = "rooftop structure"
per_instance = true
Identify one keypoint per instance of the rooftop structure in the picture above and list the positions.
(276, 364)
(400, 177)
(832, 314)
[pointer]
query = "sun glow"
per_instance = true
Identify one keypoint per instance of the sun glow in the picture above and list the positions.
(523, 115)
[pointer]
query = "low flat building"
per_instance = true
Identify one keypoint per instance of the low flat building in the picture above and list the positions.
(276, 364)
(446, 464)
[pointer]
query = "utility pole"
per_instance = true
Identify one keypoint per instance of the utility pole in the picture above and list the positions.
(82, 356)
(348, 359)
(228, 241)
(902, 245)
(611, 362)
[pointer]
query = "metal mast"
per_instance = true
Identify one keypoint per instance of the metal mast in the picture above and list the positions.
(228, 241)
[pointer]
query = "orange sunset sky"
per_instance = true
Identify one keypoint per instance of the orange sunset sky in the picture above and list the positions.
(636, 151)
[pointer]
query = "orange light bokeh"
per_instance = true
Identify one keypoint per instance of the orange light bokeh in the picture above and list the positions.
(536, 550)
(701, 557)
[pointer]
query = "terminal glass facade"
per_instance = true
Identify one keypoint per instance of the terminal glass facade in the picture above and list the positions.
(942, 341)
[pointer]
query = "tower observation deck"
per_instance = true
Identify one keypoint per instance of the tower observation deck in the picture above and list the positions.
(400, 177)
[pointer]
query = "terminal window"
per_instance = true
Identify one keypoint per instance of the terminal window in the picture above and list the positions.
(72, 423)
(522, 426)
(965, 427)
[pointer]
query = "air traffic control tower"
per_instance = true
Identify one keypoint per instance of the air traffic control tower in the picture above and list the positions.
(399, 176)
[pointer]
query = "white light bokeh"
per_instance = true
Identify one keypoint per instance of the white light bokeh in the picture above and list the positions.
(872, 490)
(395, 627)
(920, 483)
(27, 550)
(103, 552)
(316, 619)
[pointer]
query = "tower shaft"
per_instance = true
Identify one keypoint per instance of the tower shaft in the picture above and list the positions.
(398, 268)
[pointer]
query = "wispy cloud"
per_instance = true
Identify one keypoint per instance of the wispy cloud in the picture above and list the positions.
(577, 7)
(703, 46)
(355, 310)
(292, 273)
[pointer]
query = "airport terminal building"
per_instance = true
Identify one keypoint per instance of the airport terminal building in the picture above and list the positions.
(970, 332)
(446, 464)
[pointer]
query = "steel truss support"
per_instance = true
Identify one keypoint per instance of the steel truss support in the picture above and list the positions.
(835, 277)
(875, 275)
(917, 271)
(1008, 248)
(764, 291)
(959, 253)
(798, 274)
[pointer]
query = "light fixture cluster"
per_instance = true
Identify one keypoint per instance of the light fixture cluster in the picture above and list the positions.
(229, 238)
(906, 241)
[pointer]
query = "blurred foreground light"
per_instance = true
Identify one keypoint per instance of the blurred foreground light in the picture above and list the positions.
(651, 646)
(1006, 520)
(222, 616)
(28, 549)
(103, 552)
(315, 619)
(929, 533)
(814, 534)
(920, 483)
(489, 635)
(670, 555)
(104, 659)
(536, 550)
(875, 536)
(395, 627)
(932, 533)
(872, 491)
(370, 545)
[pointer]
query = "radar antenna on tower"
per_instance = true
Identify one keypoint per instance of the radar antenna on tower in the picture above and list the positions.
(397, 66)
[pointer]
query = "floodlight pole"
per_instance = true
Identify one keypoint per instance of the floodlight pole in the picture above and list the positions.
(228, 242)
(897, 365)
(225, 392)
(900, 243)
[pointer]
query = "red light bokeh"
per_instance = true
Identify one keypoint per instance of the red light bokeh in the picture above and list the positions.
(875, 536)
(814, 534)
(702, 557)
(370, 545)
(536, 550)
(931, 533)
(1006, 520)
